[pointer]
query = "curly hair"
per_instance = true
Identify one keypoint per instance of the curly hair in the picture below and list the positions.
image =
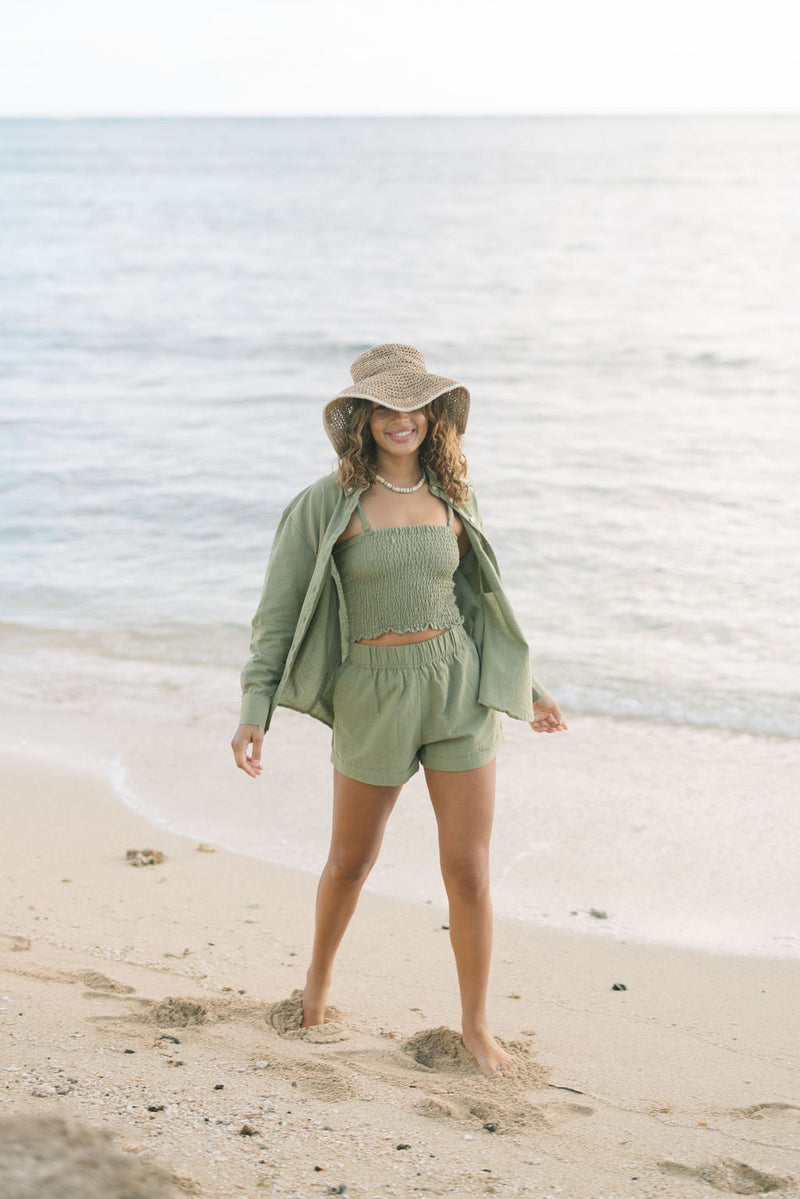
(440, 452)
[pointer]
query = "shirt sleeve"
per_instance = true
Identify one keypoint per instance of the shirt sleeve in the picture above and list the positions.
(537, 690)
(286, 583)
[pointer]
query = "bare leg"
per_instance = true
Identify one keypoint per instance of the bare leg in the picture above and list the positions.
(360, 813)
(464, 805)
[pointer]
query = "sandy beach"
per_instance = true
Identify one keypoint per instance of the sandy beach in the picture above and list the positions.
(156, 1003)
(617, 293)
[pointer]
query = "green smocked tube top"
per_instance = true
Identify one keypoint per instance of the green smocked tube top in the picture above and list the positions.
(399, 579)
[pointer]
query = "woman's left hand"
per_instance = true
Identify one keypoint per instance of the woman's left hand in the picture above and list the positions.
(547, 716)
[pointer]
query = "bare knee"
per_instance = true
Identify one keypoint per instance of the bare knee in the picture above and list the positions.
(466, 878)
(346, 868)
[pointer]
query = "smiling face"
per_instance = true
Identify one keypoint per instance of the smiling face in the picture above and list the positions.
(398, 433)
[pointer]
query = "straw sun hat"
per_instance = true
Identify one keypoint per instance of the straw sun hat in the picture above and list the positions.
(393, 376)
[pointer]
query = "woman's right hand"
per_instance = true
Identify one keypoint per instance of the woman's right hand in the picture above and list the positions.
(547, 717)
(245, 736)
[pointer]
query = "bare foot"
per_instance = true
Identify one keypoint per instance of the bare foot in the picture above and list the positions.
(493, 1061)
(314, 998)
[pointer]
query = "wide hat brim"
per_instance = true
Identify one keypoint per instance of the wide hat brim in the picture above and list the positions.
(400, 389)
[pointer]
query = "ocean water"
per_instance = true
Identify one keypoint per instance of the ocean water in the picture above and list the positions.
(178, 298)
(622, 296)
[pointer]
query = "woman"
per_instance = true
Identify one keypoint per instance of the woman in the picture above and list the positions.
(383, 615)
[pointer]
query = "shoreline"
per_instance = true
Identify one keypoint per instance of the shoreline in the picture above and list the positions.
(638, 1092)
(682, 836)
(176, 647)
(593, 923)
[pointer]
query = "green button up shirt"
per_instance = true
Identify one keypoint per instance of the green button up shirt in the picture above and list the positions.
(300, 634)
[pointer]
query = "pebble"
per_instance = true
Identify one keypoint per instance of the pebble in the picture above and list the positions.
(247, 1131)
(219, 1086)
(491, 1126)
(619, 987)
(155, 1107)
(42, 1092)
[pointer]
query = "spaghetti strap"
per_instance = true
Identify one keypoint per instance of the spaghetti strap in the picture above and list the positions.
(364, 522)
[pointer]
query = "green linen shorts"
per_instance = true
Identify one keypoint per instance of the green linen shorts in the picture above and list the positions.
(395, 706)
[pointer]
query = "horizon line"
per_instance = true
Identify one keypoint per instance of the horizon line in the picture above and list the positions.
(389, 116)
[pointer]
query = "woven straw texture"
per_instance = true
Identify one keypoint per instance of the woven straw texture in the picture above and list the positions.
(394, 376)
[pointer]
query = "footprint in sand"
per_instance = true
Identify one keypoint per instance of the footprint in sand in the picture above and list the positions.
(286, 1017)
(559, 1113)
(495, 1117)
(100, 983)
(182, 1011)
(505, 1116)
(500, 1105)
(317, 1080)
(92, 979)
(442, 1049)
(763, 1111)
(434, 1109)
(727, 1175)
(176, 1012)
(464, 1096)
(14, 943)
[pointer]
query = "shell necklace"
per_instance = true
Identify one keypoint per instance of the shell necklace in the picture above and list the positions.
(394, 487)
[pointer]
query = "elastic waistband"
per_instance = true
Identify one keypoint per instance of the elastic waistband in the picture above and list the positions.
(414, 653)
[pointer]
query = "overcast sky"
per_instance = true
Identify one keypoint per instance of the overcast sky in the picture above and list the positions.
(94, 57)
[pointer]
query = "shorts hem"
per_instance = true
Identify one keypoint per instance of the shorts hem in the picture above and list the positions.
(478, 757)
(377, 778)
